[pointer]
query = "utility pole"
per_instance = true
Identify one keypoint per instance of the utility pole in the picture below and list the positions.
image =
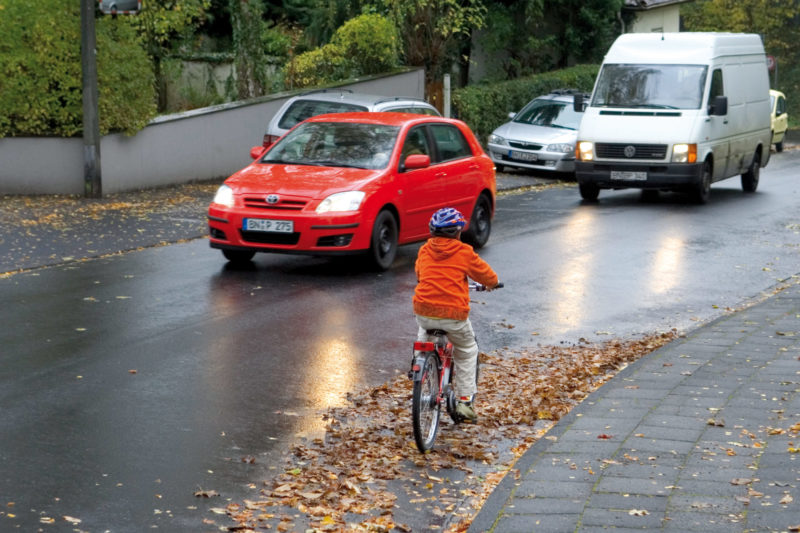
(91, 124)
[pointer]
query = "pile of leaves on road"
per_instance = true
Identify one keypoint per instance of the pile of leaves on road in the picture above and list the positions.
(348, 480)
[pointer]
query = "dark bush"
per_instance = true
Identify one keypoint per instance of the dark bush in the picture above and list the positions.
(485, 107)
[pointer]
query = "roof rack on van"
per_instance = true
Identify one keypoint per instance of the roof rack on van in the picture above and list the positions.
(396, 98)
(314, 91)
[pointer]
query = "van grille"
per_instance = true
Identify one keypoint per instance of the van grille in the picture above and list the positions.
(631, 151)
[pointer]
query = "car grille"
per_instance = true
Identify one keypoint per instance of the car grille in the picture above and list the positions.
(524, 146)
(637, 151)
(264, 237)
(281, 205)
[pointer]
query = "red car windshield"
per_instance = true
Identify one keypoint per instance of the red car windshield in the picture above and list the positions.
(335, 144)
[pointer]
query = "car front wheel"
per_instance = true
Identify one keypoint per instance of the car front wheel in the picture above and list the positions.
(383, 247)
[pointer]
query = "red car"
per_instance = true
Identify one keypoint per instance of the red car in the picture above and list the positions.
(354, 183)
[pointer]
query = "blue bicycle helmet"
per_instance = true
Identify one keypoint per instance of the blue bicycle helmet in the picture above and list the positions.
(447, 222)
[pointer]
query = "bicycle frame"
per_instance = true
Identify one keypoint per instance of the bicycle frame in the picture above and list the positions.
(444, 355)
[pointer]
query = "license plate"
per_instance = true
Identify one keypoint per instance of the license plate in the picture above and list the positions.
(628, 176)
(266, 224)
(522, 156)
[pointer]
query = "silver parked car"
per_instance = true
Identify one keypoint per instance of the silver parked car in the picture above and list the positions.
(542, 136)
(314, 103)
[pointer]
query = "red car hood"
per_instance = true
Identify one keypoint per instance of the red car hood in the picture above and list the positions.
(299, 180)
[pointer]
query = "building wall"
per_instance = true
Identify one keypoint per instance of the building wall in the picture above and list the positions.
(203, 144)
(662, 19)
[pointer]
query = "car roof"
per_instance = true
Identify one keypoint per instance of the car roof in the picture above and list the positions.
(561, 95)
(382, 117)
(367, 100)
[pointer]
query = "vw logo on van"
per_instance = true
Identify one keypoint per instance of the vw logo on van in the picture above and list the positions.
(629, 151)
(273, 198)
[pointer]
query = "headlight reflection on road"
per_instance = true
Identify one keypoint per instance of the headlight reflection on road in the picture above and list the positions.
(332, 373)
(578, 259)
(667, 265)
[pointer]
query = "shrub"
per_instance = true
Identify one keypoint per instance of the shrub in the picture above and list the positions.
(40, 72)
(485, 107)
(367, 44)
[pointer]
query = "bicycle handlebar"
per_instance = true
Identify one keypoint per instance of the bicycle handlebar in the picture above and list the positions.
(479, 287)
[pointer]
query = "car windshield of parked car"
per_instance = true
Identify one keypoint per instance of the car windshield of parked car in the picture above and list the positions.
(650, 86)
(303, 109)
(335, 144)
(549, 113)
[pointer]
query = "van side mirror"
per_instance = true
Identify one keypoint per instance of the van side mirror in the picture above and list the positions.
(718, 106)
(578, 104)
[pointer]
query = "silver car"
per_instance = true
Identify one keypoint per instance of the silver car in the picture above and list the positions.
(542, 136)
(313, 103)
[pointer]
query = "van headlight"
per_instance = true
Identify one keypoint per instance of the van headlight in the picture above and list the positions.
(341, 201)
(585, 151)
(224, 196)
(684, 153)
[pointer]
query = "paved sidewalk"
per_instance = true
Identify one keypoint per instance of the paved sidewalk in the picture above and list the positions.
(701, 435)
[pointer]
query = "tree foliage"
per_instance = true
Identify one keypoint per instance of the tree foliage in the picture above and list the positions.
(367, 44)
(40, 72)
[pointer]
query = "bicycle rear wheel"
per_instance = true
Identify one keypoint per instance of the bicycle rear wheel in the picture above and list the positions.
(424, 405)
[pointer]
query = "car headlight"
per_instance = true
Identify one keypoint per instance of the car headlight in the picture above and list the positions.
(684, 153)
(585, 151)
(496, 139)
(224, 196)
(564, 148)
(341, 201)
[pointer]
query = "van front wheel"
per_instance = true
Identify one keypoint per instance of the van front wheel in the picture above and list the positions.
(589, 191)
(703, 189)
(750, 178)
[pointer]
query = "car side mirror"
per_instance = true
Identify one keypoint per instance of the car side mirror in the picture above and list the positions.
(257, 151)
(417, 161)
(578, 105)
(512, 115)
(718, 106)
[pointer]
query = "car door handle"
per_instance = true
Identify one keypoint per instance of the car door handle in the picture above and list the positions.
(440, 175)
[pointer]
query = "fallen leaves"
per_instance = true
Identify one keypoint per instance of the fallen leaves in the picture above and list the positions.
(368, 444)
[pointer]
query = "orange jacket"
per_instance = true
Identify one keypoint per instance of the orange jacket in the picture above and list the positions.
(443, 266)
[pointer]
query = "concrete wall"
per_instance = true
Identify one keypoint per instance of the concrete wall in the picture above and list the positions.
(203, 144)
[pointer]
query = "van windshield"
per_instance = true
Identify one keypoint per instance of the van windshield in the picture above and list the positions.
(650, 86)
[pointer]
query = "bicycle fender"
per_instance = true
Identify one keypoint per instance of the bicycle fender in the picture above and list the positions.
(417, 366)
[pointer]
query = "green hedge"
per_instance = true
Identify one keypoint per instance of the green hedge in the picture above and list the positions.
(40, 72)
(485, 107)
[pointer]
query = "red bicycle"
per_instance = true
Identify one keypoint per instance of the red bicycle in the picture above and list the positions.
(432, 371)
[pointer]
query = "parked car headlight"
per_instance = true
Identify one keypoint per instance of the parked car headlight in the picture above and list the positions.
(341, 201)
(560, 147)
(585, 151)
(224, 196)
(496, 139)
(684, 153)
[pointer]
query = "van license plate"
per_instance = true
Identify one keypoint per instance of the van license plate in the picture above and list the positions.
(269, 225)
(628, 176)
(522, 156)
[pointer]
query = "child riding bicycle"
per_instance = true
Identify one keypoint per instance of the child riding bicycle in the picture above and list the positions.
(441, 298)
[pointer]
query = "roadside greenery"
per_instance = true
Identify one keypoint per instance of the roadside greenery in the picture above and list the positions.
(484, 107)
(40, 72)
(776, 21)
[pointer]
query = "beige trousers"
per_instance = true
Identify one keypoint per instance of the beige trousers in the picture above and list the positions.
(465, 350)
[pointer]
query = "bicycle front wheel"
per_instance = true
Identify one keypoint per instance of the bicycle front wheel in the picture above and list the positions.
(424, 405)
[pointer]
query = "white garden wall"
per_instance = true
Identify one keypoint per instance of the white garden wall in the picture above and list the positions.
(203, 144)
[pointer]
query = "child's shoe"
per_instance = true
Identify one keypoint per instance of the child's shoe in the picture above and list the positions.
(465, 410)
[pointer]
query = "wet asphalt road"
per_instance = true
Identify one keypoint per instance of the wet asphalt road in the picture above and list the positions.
(128, 383)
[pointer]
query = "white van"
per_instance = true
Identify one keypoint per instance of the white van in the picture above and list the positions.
(676, 111)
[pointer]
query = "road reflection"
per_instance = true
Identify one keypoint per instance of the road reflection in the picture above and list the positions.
(577, 251)
(667, 267)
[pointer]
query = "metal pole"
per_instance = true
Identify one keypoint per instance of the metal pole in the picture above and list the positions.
(91, 124)
(447, 95)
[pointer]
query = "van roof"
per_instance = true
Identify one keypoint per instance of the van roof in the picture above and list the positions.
(681, 47)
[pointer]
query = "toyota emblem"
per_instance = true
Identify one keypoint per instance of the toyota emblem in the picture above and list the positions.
(273, 198)
(630, 151)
